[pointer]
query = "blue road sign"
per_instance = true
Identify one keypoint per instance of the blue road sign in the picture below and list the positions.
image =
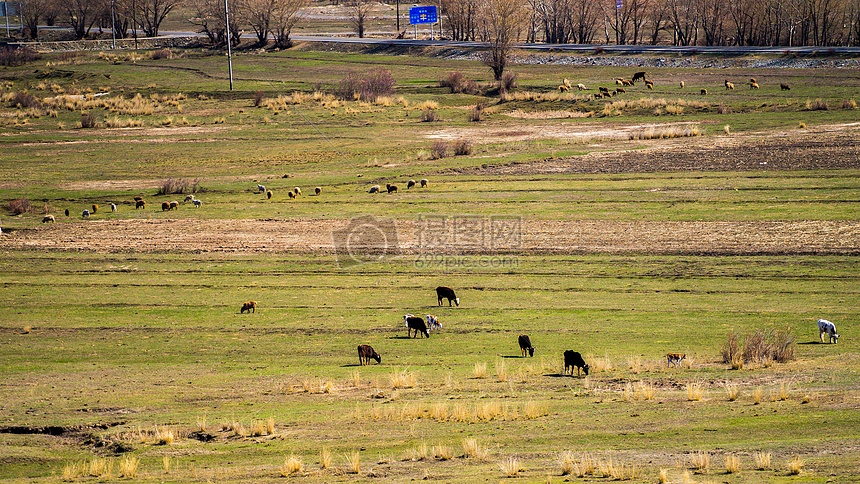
(423, 15)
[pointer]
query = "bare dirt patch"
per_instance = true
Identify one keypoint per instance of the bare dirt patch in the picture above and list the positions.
(539, 236)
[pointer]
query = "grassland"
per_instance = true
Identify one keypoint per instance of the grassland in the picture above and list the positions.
(122, 335)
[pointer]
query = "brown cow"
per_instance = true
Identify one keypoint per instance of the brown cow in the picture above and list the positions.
(365, 353)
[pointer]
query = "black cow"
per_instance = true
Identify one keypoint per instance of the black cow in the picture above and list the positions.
(416, 323)
(526, 344)
(638, 75)
(571, 359)
(365, 353)
(443, 292)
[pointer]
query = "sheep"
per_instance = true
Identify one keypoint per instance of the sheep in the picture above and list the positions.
(619, 81)
(603, 90)
(174, 205)
(581, 86)
(261, 189)
(374, 189)
(95, 208)
(443, 292)
(563, 88)
(566, 83)
(574, 359)
(753, 81)
(250, 306)
(703, 92)
(67, 212)
(85, 213)
(526, 345)
(681, 84)
(674, 358)
(637, 76)
(268, 194)
(165, 206)
(140, 204)
(188, 198)
(113, 207)
(410, 184)
(391, 188)
(626, 82)
(291, 195)
(196, 203)
(649, 84)
(621, 90)
(729, 85)
(607, 94)
(598, 95)
(828, 328)
(365, 353)
(298, 191)
(424, 183)
(754, 85)
(784, 87)
(317, 191)
(416, 323)
(48, 218)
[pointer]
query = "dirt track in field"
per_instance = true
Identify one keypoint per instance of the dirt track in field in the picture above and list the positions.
(315, 236)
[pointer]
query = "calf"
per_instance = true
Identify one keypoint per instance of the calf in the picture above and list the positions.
(574, 359)
(416, 323)
(433, 322)
(674, 359)
(828, 328)
(443, 292)
(250, 306)
(526, 345)
(365, 353)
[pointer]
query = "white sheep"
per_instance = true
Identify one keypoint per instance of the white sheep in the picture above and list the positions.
(261, 188)
(113, 207)
(298, 191)
(580, 86)
(85, 213)
(48, 218)
(196, 203)
(188, 198)
(374, 189)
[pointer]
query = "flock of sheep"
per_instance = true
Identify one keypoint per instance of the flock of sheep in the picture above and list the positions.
(390, 188)
(604, 92)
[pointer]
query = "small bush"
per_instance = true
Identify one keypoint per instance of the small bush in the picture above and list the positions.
(88, 121)
(723, 109)
(817, 105)
(439, 150)
(458, 84)
(757, 347)
(480, 370)
(10, 56)
(368, 86)
(462, 147)
(731, 352)
(24, 100)
(733, 464)
(510, 467)
(18, 206)
(762, 460)
(783, 346)
(178, 186)
(161, 54)
(795, 465)
(849, 104)
(476, 114)
(292, 465)
(258, 98)
(429, 116)
(508, 82)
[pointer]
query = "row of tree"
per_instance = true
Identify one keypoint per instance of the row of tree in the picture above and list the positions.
(679, 22)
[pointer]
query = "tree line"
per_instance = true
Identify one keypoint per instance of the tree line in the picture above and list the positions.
(623, 22)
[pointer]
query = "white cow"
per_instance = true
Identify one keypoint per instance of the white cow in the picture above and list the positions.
(826, 327)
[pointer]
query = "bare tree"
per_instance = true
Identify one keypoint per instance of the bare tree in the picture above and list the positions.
(553, 17)
(503, 20)
(82, 15)
(208, 16)
(258, 14)
(658, 18)
(153, 13)
(285, 17)
(685, 22)
(358, 10)
(712, 17)
(585, 15)
(31, 12)
(462, 18)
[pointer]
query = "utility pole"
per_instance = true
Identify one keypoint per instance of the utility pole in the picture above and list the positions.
(398, 17)
(113, 23)
(229, 47)
(134, 22)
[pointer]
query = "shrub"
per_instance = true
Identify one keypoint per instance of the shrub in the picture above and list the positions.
(18, 206)
(817, 105)
(429, 116)
(731, 352)
(757, 347)
(458, 84)
(849, 104)
(258, 98)
(462, 147)
(723, 109)
(477, 113)
(762, 460)
(439, 150)
(510, 467)
(508, 82)
(10, 56)
(24, 100)
(178, 186)
(783, 346)
(368, 86)
(161, 54)
(88, 121)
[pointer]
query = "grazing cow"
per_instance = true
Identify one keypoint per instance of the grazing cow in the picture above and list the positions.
(443, 292)
(174, 205)
(416, 323)
(365, 353)
(574, 359)
(828, 328)
(637, 76)
(433, 322)
(526, 345)
(250, 306)
(674, 359)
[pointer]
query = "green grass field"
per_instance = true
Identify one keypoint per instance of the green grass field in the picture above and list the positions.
(126, 359)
